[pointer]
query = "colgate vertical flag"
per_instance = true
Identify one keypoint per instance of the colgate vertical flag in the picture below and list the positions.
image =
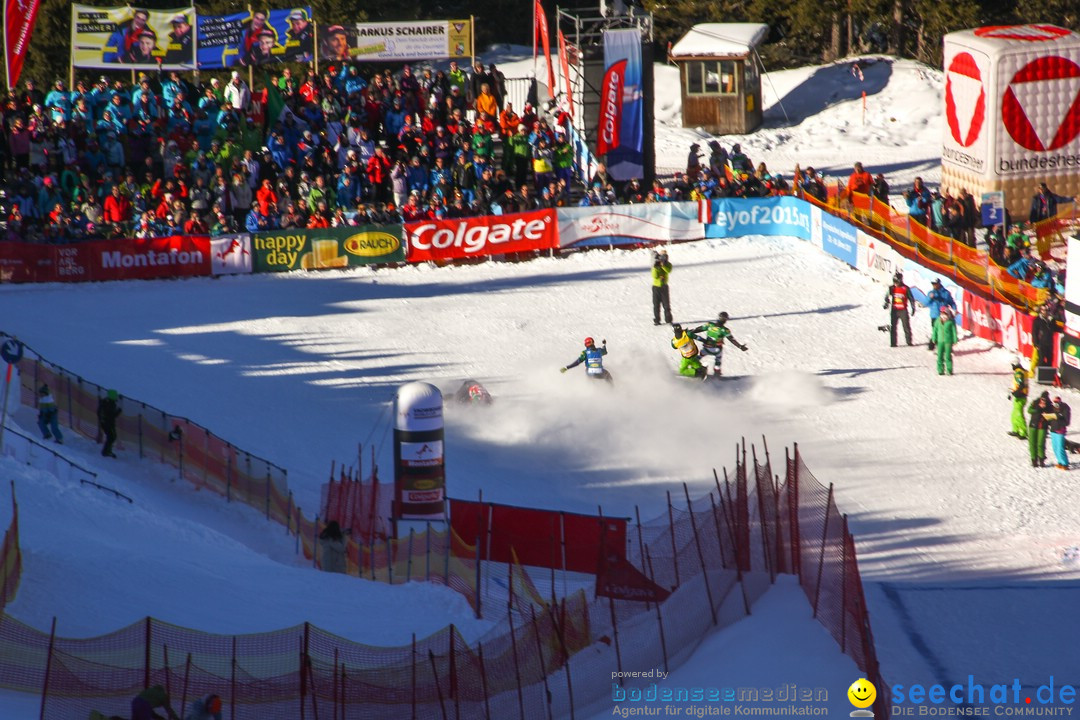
(624, 155)
(611, 109)
(19, 17)
(564, 65)
(542, 28)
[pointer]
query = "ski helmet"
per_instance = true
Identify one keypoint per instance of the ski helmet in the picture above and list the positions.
(588, 342)
(677, 328)
(722, 317)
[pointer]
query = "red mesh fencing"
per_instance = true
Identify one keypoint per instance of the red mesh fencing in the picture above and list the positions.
(716, 555)
(10, 557)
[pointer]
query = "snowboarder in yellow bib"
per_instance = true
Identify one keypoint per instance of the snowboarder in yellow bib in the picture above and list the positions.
(713, 342)
(690, 366)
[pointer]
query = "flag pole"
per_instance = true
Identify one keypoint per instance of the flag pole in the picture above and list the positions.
(315, 45)
(534, 34)
(7, 57)
(195, 46)
(472, 37)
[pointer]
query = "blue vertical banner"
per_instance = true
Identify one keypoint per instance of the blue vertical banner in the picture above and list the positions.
(623, 143)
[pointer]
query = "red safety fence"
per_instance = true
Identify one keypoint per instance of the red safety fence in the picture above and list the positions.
(705, 561)
(10, 557)
(970, 266)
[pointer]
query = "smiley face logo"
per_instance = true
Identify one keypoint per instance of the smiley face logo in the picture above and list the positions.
(862, 694)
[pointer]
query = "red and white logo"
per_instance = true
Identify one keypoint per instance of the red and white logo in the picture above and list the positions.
(487, 235)
(1041, 106)
(1027, 33)
(965, 99)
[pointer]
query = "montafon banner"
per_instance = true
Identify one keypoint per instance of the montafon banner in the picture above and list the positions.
(132, 37)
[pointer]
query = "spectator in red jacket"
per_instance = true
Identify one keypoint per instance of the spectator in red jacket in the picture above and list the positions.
(117, 208)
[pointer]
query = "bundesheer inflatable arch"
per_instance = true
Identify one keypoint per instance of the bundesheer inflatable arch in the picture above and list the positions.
(1012, 112)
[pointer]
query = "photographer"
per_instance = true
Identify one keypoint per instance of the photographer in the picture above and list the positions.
(661, 271)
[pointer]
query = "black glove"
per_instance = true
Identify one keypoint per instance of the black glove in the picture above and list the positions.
(744, 348)
(603, 342)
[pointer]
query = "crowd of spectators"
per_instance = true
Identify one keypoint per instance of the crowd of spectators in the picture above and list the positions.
(164, 156)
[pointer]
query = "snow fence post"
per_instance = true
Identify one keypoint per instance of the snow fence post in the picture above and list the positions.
(517, 665)
(232, 681)
(641, 550)
(540, 657)
(659, 617)
(408, 561)
(701, 555)
(483, 682)
(48, 668)
(413, 676)
(793, 511)
(761, 517)
(453, 673)
(146, 653)
(438, 687)
(267, 492)
(187, 679)
(478, 593)
(821, 554)
(844, 587)
(674, 549)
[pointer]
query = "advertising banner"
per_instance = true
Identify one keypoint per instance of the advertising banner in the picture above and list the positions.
(230, 254)
(19, 18)
(735, 217)
(486, 235)
(133, 37)
(1072, 291)
(564, 67)
(838, 239)
(130, 259)
(406, 40)
(321, 249)
(981, 317)
(26, 262)
(545, 42)
(620, 131)
(629, 224)
(1069, 367)
(257, 37)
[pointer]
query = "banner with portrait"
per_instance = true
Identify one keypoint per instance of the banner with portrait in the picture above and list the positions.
(258, 37)
(132, 37)
(408, 40)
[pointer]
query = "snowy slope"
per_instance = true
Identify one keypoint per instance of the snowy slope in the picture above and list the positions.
(300, 368)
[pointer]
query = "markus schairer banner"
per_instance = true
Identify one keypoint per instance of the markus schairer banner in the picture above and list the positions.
(485, 235)
(321, 249)
(619, 134)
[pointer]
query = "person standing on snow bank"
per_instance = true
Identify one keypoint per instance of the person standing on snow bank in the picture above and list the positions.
(713, 342)
(48, 416)
(593, 357)
(690, 365)
(898, 299)
(1039, 411)
(944, 336)
(108, 411)
(1018, 394)
(661, 296)
(1058, 425)
(936, 300)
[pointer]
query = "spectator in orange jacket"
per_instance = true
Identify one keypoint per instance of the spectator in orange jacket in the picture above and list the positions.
(487, 108)
(860, 182)
(509, 120)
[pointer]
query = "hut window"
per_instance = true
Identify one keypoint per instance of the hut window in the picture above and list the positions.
(711, 77)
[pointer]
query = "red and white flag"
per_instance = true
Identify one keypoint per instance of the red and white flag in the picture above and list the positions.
(19, 18)
(564, 65)
(611, 102)
(545, 41)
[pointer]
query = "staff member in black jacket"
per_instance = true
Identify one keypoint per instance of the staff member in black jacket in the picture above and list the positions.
(1041, 414)
(107, 411)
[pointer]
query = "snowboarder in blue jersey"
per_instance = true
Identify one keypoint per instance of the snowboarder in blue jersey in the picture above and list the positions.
(593, 357)
(938, 299)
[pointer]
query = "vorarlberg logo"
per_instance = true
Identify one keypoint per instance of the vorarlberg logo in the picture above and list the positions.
(975, 698)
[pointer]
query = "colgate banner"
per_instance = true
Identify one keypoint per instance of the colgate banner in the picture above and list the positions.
(622, 48)
(488, 235)
(19, 18)
(611, 92)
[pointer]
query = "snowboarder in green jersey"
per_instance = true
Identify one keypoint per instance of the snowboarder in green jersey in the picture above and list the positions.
(1019, 394)
(713, 341)
(690, 365)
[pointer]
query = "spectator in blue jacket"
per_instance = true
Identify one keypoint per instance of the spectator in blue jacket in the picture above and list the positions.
(937, 299)
(1022, 267)
(918, 200)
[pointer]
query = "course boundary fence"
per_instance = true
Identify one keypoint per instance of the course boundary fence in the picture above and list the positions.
(717, 554)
